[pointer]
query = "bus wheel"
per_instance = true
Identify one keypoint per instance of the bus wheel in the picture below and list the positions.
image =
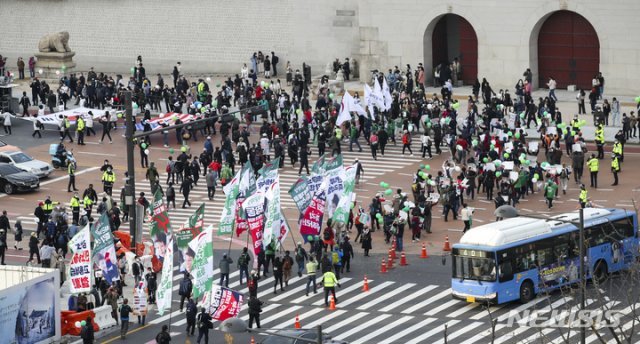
(600, 273)
(526, 292)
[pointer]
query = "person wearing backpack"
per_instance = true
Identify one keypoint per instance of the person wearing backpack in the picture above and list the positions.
(192, 311)
(347, 254)
(243, 264)
(125, 309)
(163, 337)
(204, 324)
(336, 260)
(287, 264)
(185, 289)
(255, 308)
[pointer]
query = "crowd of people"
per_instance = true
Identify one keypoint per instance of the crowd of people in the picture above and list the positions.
(490, 153)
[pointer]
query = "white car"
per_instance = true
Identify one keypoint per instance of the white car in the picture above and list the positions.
(26, 163)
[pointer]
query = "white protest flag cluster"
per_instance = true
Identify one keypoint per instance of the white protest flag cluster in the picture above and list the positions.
(348, 106)
(374, 98)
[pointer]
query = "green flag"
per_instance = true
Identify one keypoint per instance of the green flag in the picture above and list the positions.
(189, 230)
(341, 213)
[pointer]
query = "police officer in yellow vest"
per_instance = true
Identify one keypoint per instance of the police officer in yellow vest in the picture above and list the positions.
(600, 141)
(575, 123)
(583, 198)
(88, 198)
(593, 165)
(80, 129)
(71, 171)
(615, 168)
(108, 179)
(75, 208)
(64, 130)
(47, 207)
(617, 150)
(329, 281)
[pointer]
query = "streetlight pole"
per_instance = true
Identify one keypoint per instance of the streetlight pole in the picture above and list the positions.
(130, 185)
(582, 275)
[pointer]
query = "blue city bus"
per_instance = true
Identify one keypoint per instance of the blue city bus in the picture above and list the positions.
(518, 258)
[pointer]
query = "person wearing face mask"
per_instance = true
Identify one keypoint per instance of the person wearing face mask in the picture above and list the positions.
(108, 179)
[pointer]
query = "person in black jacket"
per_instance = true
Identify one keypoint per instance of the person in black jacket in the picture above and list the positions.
(152, 285)
(347, 254)
(192, 311)
(86, 333)
(185, 289)
(163, 337)
(204, 324)
(304, 159)
(255, 308)
(33, 247)
(185, 188)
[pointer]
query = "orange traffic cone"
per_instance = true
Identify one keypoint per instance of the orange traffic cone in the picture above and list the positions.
(393, 248)
(424, 253)
(447, 244)
(365, 286)
(392, 253)
(383, 266)
(332, 304)
(297, 323)
(403, 259)
(389, 262)
(253, 341)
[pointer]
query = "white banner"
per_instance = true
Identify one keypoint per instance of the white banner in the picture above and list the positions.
(80, 267)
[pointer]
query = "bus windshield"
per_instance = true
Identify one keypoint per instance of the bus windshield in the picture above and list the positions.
(474, 268)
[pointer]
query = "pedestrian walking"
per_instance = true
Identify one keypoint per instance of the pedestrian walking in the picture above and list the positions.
(3, 245)
(593, 165)
(347, 254)
(203, 321)
(185, 289)
(615, 168)
(277, 275)
(366, 241)
(33, 248)
(125, 309)
(466, 215)
(192, 311)
(224, 265)
(301, 256)
(329, 282)
(287, 265)
(255, 308)
(312, 268)
(152, 285)
(86, 333)
(185, 188)
(18, 235)
(243, 264)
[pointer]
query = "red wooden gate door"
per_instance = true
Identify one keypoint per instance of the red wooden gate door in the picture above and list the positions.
(568, 50)
(453, 36)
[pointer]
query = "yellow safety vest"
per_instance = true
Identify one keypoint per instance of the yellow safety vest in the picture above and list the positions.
(80, 124)
(87, 201)
(47, 206)
(312, 268)
(615, 165)
(329, 279)
(617, 148)
(600, 135)
(75, 202)
(583, 196)
(593, 164)
(71, 169)
(108, 177)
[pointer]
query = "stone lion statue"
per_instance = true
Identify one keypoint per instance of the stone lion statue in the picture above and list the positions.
(55, 42)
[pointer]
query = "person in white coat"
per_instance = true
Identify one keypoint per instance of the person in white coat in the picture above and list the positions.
(6, 122)
(466, 214)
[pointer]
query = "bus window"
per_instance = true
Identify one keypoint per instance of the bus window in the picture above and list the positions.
(506, 271)
(561, 252)
(545, 256)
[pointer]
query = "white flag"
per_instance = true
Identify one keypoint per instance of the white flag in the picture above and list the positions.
(348, 105)
(166, 280)
(386, 94)
(377, 97)
(367, 100)
(272, 215)
(202, 267)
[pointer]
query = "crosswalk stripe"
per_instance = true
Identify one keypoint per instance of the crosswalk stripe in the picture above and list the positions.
(562, 338)
(346, 321)
(303, 287)
(492, 309)
(333, 315)
(465, 329)
(432, 299)
(406, 331)
(386, 296)
(438, 329)
(303, 316)
(382, 330)
(340, 292)
(362, 295)
(520, 308)
(290, 290)
(483, 335)
(287, 310)
(463, 310)
(266, 309)
(442, 307)
(516, 332)
(408, 298)
(362, 326)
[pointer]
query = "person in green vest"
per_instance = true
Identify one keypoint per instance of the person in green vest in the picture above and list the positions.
(593, 165)
(615, 168)
(80, 130)
(75, 208)
(550, 192)
(329, 281)
(225, 174)
(353, 137)
(599, 139)
(584, 197)
(71, 171)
